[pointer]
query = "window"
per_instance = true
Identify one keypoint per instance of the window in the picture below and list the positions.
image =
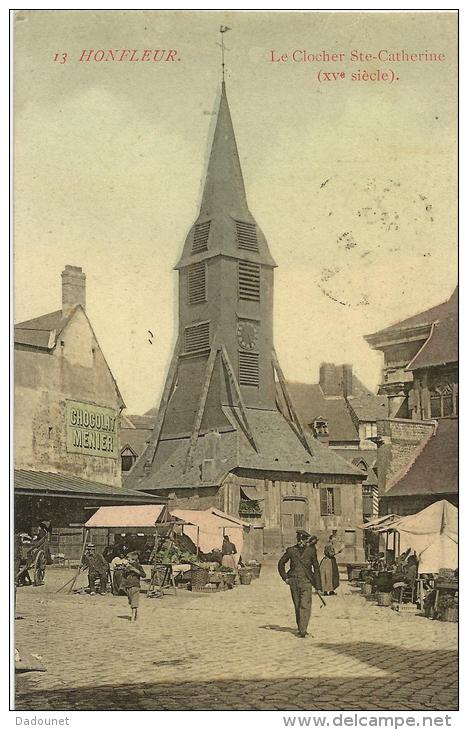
(370, 430)
(320, 427)
(246, 236)
(197, 337)
(249, 281)
(248, 368)
(443, 401)
(197, 283)
(330, 502)
(128, 461)
(200, 237)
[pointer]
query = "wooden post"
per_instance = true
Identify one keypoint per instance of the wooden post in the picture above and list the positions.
(201, 408)
(198, 540)
(294, 419)
(230, 371)
(83, 547)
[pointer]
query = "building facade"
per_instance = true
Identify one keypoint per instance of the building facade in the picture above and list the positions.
(417, 460)
(221, 437)
(341, 413)
(67, 415)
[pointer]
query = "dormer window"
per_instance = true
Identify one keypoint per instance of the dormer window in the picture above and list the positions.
(320, 427)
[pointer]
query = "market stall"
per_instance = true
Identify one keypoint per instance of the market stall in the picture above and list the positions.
(421, 565)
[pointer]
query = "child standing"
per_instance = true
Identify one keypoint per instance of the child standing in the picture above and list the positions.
(132, 572)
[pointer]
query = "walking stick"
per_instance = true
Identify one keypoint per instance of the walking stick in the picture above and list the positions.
(321, 598)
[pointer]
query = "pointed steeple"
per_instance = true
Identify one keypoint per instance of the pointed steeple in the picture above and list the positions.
(224, 210)
(224, 190)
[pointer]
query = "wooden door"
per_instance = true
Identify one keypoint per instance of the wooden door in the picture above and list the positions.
(294, 516)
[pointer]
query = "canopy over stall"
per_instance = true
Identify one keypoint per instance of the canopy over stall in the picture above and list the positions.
(141, 515)
(433, 535)
(207, 528)
(380, 524)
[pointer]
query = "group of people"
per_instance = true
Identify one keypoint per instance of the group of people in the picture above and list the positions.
(305, 573)
(125, 574)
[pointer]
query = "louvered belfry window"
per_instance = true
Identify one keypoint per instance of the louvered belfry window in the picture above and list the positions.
(247, 236)
(197, 337)
(200, 237)
(248, 368)
(249, 281)
(197, 283)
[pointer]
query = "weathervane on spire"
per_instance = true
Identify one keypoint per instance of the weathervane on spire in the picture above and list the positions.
(223, 29)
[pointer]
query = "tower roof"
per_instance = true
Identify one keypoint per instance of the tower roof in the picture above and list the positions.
(224, 213)
(224, 189)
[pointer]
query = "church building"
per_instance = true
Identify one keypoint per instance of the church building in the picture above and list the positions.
(227, 434)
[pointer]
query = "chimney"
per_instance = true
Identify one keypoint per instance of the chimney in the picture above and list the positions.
(73, 288)
(329, 381)
(347, 381)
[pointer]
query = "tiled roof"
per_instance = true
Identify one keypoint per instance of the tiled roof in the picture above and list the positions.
(425, 318)
(369, 407)
(310, 403)
(279, 450)
(135, 432)
(36, 332)
(435, 468)
(368, 456)
(35, 482)
(442, 345)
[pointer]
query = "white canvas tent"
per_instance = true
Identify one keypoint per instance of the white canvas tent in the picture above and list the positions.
(433, 535)
(206, 528)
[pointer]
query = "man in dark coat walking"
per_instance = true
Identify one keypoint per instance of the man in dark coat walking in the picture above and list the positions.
(303, 573)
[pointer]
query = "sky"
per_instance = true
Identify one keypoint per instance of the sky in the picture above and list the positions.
(354, 183)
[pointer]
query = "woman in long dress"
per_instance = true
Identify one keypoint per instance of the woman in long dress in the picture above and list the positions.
(329, 568)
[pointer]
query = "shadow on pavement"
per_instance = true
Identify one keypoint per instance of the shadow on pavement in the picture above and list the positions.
(413, 680)
(275, 627)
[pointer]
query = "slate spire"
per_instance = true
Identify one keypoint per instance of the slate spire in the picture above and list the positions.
(224, 190)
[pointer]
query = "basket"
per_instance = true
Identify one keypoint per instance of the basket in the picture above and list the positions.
(245, 578)
(384, 599)
(366, 589)
(256, 570)
(229, 579)
(210, 588)
(355, 574)
(450, 614)
(408, 608)
(198, 577)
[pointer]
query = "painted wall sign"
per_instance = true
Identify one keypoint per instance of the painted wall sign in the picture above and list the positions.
(91, 429)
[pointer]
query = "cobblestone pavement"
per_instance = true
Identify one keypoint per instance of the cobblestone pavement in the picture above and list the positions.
(233, 650)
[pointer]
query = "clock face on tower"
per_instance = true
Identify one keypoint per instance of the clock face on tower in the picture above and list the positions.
(247, 334)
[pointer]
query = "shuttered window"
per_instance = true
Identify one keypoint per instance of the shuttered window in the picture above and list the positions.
(197, 283)
(200, 237)
(330, 501)
(249, 281)
(197, 337)
(248, 368)
(247, 236)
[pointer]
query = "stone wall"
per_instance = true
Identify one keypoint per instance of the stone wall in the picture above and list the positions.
(44, 380)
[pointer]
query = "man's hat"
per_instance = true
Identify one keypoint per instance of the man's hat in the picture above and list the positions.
(90, 545)
(302, 535)
(133, 554)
